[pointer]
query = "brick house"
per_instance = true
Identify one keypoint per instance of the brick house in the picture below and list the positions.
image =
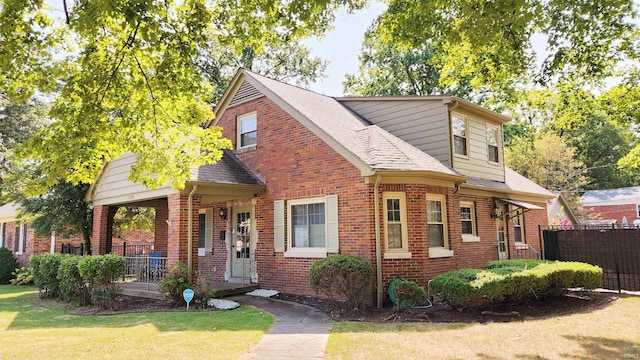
(18, 236)
(415, 185)
(614, 205)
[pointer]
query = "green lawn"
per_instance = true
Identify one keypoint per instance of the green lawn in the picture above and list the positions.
(612, 332)
(33, 329)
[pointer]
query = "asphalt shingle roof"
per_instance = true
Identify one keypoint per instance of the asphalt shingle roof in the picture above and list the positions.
(372, 145)
(513, 182)
(229, 170)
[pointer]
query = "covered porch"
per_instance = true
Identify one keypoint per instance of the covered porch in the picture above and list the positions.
(197, 226)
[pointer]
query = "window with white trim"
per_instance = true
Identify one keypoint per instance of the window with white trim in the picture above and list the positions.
(308, 226)
(437, 226)
(460, 136)
(23, 238)
(247, 130)
(518, 233)
(205, 231)
(468, 221)
(395, 225)
(492, 144)
(638, 211)
(2, 231)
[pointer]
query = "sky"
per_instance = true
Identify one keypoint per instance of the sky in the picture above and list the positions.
(342, 46)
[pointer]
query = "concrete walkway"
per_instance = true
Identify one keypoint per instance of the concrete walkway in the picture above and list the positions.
(299, 331)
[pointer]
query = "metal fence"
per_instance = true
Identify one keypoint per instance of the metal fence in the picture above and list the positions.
(125, 249)
(148, 268)
(615, 249)
(72, 249)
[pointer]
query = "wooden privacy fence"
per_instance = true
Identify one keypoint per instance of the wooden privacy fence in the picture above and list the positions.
(616, 250)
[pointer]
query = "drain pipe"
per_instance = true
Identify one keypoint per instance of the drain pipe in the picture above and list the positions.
(376, 207)
(190, 230)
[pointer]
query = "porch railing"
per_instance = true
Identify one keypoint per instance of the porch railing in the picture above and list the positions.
(146, 269)
(125, 249)
(525, 251)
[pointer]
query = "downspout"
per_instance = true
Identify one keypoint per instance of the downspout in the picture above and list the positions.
(376, 207)
(190, 230)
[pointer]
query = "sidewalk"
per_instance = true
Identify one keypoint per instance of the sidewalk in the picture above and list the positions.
(299, 331)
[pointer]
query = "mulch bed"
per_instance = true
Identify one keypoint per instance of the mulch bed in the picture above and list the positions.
(570, 302)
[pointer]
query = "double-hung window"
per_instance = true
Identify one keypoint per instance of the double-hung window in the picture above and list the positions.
(247, 130)
(437, 226)
(518, 232)
(395, 225)
(468, 221)
(2, 231)
(308, 226)
(460, 135)
(492, 144)
(638, 211)
(312, 227)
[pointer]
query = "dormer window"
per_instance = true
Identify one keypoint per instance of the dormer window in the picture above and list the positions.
(459, 125)
(247, 130)
(492, 144)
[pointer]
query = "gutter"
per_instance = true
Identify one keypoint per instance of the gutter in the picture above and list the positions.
(376, 206)
(190, 231)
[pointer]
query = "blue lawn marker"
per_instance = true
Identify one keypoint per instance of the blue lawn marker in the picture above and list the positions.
(188, 296)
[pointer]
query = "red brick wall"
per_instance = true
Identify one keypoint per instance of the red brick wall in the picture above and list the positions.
(214, 263)
(295, 164)
(607, 212)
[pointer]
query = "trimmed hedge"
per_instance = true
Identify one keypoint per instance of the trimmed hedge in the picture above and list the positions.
(513, 281)
(71, 284)
(45, 274)
(345, 276)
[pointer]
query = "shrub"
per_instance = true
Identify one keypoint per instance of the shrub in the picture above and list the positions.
(72, 286)
(513, 281)
(22, 276)
(346, 276)
(202, 290)
(175, 282)
(406, 294)
(8, 264)
(45, 274)
(101, 273)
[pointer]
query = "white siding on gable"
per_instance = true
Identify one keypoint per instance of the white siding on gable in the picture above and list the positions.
(245, 93)
(478, 164)
(114, 187)
(422, 123)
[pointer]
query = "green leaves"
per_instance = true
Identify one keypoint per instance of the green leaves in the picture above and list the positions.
(491, 41)
(133, 83)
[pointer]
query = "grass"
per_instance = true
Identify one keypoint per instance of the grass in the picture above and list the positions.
(35, 329)
(612, 332)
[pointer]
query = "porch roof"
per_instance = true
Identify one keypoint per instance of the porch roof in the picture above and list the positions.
(514, 184)
(229, 170)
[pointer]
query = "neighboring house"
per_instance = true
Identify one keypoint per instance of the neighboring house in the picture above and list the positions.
(415, 185)
(559, 211)
(17, 236)
(615, 205)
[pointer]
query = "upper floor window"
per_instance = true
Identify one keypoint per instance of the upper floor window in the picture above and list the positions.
(459, 125)
(492, 144)
(247, 130)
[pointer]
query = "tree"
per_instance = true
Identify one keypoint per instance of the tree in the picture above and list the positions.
(548, 161)
(387, 70)
(131, 84)
(133, 218)
(62, 210)
(491, 41)
(281, 60)
(18, 122)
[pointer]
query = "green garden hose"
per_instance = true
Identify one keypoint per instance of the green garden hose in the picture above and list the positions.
(404, 304)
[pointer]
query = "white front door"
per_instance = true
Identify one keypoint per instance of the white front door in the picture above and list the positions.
(241, 256)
